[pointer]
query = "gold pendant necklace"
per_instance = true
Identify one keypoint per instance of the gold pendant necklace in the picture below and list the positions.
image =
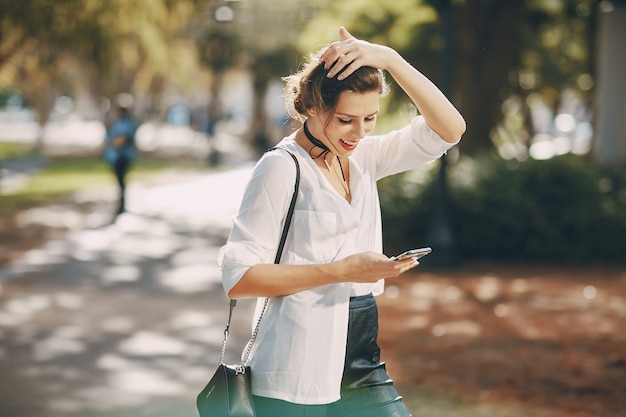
(342, 178)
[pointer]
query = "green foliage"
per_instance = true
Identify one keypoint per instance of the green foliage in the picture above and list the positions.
(218, 49)
(563, 210)
(57, 47)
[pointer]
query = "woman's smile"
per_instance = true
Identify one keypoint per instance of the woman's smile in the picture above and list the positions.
(348, 145)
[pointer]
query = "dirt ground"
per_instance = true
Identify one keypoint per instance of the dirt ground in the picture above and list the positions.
(491, 340)
(14, 240)
(515, 341)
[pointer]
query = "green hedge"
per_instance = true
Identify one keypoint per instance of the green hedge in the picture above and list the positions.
(563, 210)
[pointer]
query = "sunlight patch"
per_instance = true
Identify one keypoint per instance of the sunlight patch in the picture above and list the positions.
(28, 305)
(487, 288)
(501, 310)
(122, 273)
(200, 255)
(187, 319)
(68, 300)
(426, 290)
(53, 216)
(92, 240)
(191, 278)
(392, 292)
(148, 246)
(41, 256)
(417, 322)
(135, 224)
(210, 335)
(112, 362)
(148, 343)
(457, 328)
(55, 346)
(123, 325)
(143, 381)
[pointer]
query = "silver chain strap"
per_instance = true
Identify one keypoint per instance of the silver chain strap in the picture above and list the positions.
(248, 348)
(233, 303)
(224, 346)
(241, 369)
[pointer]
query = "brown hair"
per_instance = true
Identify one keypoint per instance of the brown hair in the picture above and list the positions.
(310, 88)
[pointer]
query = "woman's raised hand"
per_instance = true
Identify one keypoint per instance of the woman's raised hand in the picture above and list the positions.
(344, 57)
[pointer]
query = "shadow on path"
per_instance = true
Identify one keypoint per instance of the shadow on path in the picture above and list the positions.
(123, 318)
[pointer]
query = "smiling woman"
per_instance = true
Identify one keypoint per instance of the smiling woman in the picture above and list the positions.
(321, 344)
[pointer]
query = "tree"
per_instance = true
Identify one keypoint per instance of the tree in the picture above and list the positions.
(53, 47)
(264, 34)
(610, 139)
(488, 44)
(32, 59)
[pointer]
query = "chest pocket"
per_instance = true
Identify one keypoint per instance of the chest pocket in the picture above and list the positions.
(315, 235)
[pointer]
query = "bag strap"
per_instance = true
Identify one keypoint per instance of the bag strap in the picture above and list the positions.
(292, 205)
(279, 252)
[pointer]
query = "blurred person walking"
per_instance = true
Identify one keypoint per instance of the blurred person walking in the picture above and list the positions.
(315, 352)
(120, 150)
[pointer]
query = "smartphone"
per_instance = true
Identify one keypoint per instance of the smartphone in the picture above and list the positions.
(413, 253)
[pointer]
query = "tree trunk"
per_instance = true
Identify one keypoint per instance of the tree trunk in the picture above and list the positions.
(258, 126)
(43, 100)
(610, 139)
(487, 41)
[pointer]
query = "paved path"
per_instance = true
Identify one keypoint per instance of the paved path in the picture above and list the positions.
(123, 319)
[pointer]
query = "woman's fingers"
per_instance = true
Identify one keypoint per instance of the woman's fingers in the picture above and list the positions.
(335, 52)
(343, 57)
(344, 65)
(408, 264)
(370, 267)
(345, 35)
(340, 54)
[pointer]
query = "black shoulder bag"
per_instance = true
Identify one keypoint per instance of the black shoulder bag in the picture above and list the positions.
(229, 392)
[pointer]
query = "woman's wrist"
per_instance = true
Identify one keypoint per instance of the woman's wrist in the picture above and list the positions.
(334, 272)
(394, 62)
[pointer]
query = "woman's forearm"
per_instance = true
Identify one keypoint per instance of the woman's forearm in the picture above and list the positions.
(270, 280)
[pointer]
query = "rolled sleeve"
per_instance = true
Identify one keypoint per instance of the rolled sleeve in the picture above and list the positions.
(425, 138)
(413, 146)
(235, 259)
(256, 227)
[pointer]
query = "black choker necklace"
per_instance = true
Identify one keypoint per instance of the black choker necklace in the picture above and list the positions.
(315, 142)
(325, 151)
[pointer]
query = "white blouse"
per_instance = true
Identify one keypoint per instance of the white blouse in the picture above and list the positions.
(300, 348)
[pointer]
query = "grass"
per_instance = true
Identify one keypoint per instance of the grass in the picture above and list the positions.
(14, 150)
(65, 175)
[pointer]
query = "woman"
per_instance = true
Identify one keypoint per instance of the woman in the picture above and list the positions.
(316, 352)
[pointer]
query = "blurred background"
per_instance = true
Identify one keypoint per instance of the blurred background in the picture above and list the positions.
(539, 179)
(540, 84)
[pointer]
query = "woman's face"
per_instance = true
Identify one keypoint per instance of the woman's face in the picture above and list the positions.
(354, 117)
